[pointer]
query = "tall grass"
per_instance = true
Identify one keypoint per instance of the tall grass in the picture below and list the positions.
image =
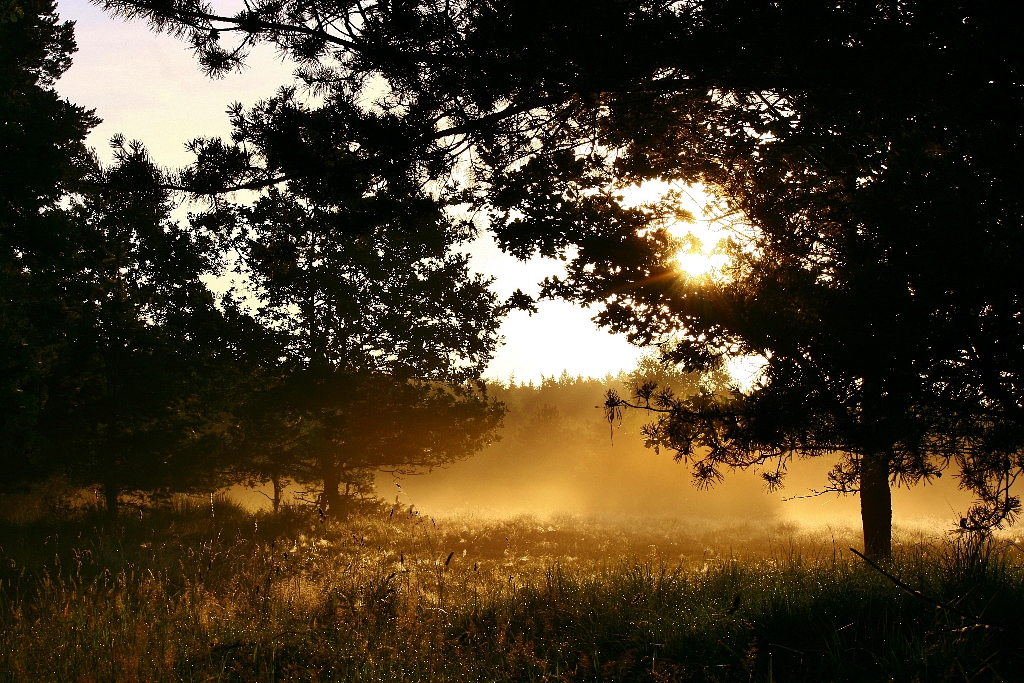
(180, 595)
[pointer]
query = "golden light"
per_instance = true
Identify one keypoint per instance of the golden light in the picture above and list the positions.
(696, 263)
(701, 255)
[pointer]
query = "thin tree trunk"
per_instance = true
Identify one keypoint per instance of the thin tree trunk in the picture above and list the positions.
(278, 488)
(876, 505)
(329, 501)
(345, 508)
(110, 493)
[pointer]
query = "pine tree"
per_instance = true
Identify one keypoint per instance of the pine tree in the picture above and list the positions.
(43, 159)
(376, 331)
(137, 395)
(869, 149)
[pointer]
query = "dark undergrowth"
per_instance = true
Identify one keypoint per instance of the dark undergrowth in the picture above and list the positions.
(178, 594)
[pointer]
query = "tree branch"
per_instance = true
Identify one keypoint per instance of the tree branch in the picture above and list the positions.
(252, 185)
(977, 621)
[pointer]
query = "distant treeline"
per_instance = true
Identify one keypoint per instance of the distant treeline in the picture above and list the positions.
(558, 453)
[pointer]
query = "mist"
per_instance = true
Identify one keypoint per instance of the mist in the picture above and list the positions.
(557, 455)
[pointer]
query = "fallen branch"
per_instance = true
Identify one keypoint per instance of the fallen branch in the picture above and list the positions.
(977, 621)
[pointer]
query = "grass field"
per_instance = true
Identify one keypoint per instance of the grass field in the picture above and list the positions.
(186, 593)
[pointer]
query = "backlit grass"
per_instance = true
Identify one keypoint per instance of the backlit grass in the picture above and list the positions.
(178, 594)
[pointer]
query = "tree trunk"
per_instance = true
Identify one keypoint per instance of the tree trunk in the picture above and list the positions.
(876, 506)
(278, 488)
(346, 504)
(110, 493)
(330, 501)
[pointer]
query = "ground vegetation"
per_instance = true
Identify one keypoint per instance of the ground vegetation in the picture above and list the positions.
(201, 592)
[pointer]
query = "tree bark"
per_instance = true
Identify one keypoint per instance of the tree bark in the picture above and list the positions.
(330, 500)
(876, 505)
(110, 493)
(278, 487)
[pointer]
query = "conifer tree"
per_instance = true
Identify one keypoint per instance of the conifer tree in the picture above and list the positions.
(138, 395)
(870, 150)
(42, 159)
(377, 332)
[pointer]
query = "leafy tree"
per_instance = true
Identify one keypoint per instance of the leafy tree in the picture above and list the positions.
(869, 148)
(377, 332)
(43, 160)
(132, 402)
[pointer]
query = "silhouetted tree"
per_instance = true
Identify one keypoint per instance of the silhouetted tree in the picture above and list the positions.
(869, 149)
(134, 397)
(111, 343)
(263, 437)
(378, 331)
(42, 160)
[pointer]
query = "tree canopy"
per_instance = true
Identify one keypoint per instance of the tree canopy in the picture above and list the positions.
(111, 340)
(377, 334)
(45, 135)
(136, 397)
(869, 150)
(360, 346)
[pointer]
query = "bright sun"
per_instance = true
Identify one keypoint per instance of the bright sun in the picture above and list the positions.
(701, 255)
(701, 264)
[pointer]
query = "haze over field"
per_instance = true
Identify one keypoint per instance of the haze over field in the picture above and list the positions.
(556, 457)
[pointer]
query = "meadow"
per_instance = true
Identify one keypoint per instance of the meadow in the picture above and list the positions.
(190, 591)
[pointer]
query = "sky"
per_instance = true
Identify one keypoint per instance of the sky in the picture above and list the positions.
(148, 87)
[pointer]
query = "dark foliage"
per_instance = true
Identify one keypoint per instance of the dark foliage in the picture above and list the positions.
(375, 332)
(122, 369)
(138, 395)
(869, 149)
(43, 158)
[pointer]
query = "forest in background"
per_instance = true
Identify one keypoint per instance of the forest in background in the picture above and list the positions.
(557, 455)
